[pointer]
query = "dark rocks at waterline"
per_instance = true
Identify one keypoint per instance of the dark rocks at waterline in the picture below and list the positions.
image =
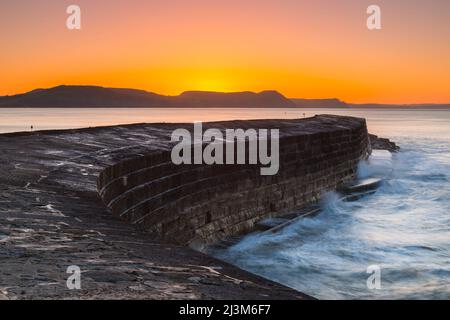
(383, 144)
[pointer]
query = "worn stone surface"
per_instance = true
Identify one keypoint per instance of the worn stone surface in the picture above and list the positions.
(51, 216)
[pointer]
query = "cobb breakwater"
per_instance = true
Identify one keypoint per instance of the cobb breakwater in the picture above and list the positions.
(52, 215)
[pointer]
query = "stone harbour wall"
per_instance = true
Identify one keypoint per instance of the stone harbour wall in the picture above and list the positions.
(196, 204)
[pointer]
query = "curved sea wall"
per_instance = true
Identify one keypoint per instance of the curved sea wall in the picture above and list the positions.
(53, 217)
(192, 204)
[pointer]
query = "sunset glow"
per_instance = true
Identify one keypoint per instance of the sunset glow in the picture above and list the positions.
(305, 49)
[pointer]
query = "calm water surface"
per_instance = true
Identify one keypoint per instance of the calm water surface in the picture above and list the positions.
(381, 121)
(404, 228)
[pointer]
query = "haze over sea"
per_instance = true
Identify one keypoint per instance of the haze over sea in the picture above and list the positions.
(404, 228)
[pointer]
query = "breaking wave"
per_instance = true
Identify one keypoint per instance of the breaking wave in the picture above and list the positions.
(404, 228)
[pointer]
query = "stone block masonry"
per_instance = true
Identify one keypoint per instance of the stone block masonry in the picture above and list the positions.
(52, 217)
(196, 204)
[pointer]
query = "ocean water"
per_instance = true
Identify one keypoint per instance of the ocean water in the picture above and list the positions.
(404, 228)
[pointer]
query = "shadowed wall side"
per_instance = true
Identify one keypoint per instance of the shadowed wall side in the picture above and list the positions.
(194, 204)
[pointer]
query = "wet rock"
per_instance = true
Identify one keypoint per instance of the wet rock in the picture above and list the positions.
(383, 144)
(108, 276)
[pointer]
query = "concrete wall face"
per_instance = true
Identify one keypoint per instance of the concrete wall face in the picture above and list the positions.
(204, 203)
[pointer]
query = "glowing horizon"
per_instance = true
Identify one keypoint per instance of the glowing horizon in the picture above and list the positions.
(301, 49)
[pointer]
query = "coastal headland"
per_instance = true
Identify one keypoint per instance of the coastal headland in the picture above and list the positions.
(109, 201)
(70, 96)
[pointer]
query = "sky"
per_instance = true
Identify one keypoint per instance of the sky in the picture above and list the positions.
(303, 49)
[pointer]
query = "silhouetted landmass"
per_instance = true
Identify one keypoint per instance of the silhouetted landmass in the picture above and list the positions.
(92, 96)
(319, 103)
(100, 97)
(84, 96)
(265, 99)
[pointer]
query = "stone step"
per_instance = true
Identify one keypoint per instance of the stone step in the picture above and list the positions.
(269, 223)
(358, 195)
(301, 212)
(362, 186)
(281, 226)
(353, 192)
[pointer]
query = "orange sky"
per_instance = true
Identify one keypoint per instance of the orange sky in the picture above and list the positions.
(310, 49)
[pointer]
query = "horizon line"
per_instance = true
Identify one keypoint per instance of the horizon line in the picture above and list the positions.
(238, 91)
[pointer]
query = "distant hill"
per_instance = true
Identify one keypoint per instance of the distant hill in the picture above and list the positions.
(92, 96)
(319, 103)
(265, 99)
(100, 97)
(83, 96)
